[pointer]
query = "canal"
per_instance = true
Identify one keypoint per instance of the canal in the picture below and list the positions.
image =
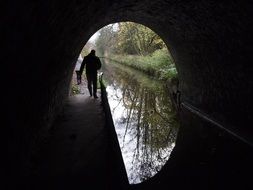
(145, 121)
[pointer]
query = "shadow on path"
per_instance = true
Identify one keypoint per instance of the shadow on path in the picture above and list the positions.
(76, 155)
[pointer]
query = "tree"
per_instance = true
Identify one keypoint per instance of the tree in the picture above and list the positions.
(86, 49)
(128, 38)
(106, 39)
(137, 39)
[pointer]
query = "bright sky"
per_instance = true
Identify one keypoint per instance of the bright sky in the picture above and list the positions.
(93, 37)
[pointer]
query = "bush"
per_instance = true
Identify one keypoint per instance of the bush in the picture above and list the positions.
(159, 64)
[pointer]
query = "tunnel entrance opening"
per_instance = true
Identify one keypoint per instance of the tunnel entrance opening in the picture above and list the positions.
(140, 76)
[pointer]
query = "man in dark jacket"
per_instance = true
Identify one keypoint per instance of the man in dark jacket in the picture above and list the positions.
(93, 64)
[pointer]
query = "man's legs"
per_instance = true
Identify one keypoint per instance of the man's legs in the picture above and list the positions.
(89, 80)
(95, 85)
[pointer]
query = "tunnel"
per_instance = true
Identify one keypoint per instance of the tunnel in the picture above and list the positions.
(211, 43)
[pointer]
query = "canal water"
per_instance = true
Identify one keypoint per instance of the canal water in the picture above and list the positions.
(144, 120)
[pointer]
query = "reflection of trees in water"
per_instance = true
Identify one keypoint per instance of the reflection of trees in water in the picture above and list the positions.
(149, 119)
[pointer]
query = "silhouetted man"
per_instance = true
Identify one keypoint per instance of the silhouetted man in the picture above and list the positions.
(93, 64)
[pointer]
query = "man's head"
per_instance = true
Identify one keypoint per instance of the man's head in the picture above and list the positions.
(93, 52)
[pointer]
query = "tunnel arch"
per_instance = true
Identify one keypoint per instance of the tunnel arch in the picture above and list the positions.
(168, 46)
(195, 46)
(211, 45)
(134, 20)
(136, 176)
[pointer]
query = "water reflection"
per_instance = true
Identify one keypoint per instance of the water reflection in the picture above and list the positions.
(144, 120)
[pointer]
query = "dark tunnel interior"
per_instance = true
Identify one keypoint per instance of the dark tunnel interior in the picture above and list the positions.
(211, 43)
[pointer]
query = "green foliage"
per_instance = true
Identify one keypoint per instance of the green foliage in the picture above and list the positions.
(86, 49)
(137, 46)
(75, 89)
(137, 39)
(159, 64)
(128, 38)
(106, 39)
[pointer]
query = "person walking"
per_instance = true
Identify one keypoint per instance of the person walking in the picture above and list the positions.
(93, 64)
